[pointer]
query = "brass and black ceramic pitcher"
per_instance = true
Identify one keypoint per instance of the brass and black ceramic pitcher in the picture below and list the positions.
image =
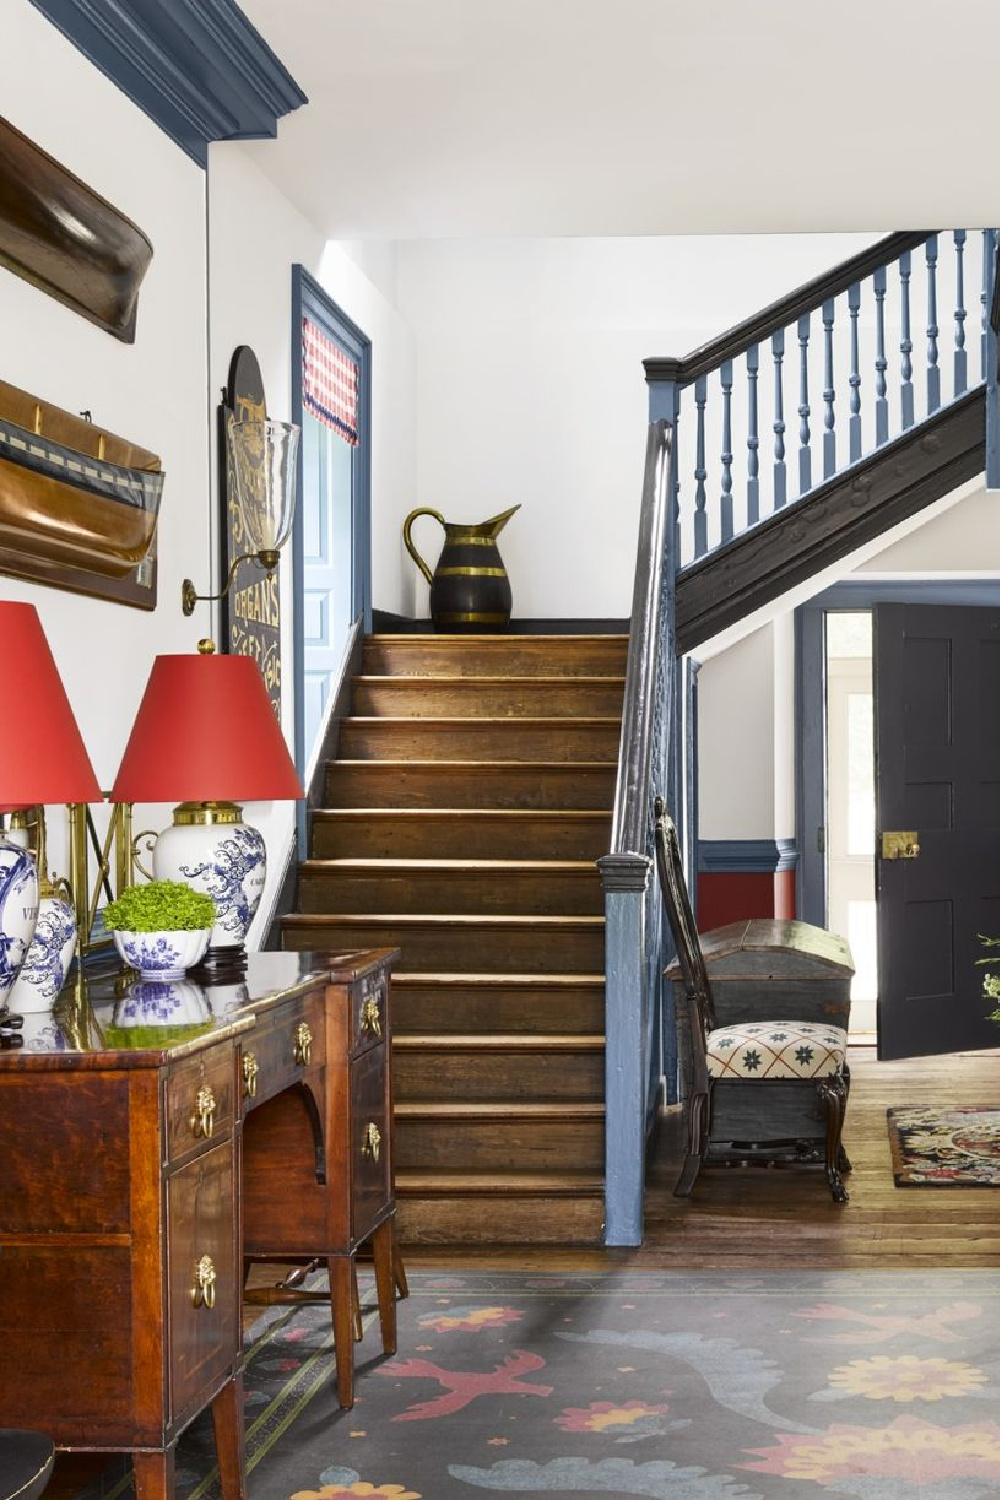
(470, 590)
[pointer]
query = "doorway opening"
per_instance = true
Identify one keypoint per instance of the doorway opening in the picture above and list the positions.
(850, 822)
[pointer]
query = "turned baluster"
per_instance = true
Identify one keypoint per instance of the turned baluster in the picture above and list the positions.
(753, 438)
(726, 498)
(829, 433)
(881, 363)
(905, 343)
(805, 453)
(961, 355)
(780, 473)
(933, 372)
(984, 298)
(854, 307)
(700, 473)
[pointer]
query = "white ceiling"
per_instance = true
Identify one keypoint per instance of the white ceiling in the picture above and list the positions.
(432, 118)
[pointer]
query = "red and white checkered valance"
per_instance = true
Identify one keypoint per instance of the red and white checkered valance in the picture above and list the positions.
(329, 382)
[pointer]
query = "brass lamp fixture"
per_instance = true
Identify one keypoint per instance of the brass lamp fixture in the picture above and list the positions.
(263, 462)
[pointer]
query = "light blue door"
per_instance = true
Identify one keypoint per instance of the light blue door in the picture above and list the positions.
(327, 566)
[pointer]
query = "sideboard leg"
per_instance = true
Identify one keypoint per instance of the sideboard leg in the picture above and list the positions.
(227, 1420)
(398, 1269)
(382, 1241)
(342, 1307)
(154, 1475)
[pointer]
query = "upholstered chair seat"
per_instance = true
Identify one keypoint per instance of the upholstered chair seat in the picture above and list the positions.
(775, 1049)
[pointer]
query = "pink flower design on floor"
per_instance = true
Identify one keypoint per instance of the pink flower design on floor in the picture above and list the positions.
(879, 1328)
(909, 1449)
(634, 1419)
(471, 1318)
(361, 1487)
(464, 1386)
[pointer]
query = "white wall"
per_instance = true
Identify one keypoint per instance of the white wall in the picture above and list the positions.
(736, 721)
(152, 391)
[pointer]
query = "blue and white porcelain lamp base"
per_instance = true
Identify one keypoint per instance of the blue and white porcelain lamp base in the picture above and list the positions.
(211, 849)
(18, 913)
(50, 952)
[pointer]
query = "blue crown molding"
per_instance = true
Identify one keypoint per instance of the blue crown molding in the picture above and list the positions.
(198, 68)
(746, 856)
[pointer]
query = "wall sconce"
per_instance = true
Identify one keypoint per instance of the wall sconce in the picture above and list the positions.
(263, 462)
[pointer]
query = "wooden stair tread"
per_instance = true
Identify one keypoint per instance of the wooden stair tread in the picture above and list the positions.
(377, 866)
(460, 814)
(462, 919)
(500, 981)
(534, 1041)
(497, 642)
(541, 1184)
(432, 679)
(496, 1110)
(465, 766)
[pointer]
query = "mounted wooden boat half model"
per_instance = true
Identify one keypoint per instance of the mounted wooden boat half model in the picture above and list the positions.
(78, 505)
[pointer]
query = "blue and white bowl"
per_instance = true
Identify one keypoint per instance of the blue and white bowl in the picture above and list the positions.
(163, 955)
(150, 1002)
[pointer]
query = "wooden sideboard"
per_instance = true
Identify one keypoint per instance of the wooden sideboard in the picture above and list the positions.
(153, 1141)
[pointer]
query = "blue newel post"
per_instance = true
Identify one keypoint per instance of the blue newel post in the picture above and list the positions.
(990, 362)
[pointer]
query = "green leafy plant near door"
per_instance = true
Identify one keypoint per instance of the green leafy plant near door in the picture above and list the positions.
(991, 982)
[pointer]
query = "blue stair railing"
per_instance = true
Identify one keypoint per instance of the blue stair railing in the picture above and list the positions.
(860, 312)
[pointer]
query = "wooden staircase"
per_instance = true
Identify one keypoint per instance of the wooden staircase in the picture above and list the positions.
(470, 798)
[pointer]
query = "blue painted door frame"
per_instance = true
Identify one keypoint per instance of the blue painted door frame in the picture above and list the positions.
(311, 301)
(810, 716)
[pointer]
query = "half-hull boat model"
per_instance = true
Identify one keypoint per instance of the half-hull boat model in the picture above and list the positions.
(72, 496)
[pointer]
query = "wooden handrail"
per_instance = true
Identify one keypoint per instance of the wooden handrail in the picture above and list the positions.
(784, 312)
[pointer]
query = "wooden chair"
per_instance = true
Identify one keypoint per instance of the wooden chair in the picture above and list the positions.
(25, 1463)
(772, 1062)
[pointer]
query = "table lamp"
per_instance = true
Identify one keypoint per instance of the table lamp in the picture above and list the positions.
(42, 760)
(206, 737)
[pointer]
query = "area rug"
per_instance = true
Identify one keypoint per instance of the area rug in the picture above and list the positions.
(945, 1147)
(682, 1386)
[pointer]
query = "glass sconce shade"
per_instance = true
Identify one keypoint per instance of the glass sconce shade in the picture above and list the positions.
(263, 457)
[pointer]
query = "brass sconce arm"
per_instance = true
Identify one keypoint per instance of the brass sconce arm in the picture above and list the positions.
(267, 559)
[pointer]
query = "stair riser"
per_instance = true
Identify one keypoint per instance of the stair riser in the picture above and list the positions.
(470, 1076)
(490, 786)
(474, 698)
(498, 1145)
(473, 836)
(506, 1219)
(460, 949)
(461, 892)
(488, 1009)
(513, 739)
(427, 656)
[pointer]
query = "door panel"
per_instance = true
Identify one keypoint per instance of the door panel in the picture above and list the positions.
(937, 685)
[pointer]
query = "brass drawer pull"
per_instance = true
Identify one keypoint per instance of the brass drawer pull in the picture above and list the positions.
(203, 1291)
(251, 1067)
(371, 1020)
(371, 1143)
(303, 1044)
(203, 1119)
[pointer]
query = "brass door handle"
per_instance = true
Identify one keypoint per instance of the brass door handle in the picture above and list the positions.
(303, 1044)
(371, 1020)
(203, 1291)
(203, 1119)
(900, 846)
(371, 1141)
(251, 1067)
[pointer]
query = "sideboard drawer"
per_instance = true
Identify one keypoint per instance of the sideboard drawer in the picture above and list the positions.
(199, 1101)
(201, 1270)
(368, 1011)
(370, 1144)
(280, 1053)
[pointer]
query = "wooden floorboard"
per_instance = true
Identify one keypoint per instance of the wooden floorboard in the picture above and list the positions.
(756, 1219)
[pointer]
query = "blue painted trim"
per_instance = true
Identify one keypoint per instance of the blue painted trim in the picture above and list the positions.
(746, 856)
(309, 300)
(197, 68)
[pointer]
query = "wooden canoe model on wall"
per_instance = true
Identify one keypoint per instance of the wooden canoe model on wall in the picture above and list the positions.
(60, 235)
(78, 505)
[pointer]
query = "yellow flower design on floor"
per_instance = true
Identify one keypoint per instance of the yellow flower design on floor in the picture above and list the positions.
(908, 1449)
(471, 1319)
(906, 1378)
(361, 1487)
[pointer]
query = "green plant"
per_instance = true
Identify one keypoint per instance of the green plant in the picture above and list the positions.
(991, 982)
(160, 906)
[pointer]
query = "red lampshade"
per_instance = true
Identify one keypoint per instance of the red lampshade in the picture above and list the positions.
(205, 732)
(42, 757)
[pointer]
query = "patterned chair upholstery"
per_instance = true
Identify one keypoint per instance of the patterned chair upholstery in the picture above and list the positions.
(761, 1089)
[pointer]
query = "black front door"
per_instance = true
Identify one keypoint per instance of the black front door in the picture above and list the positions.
(937, 757)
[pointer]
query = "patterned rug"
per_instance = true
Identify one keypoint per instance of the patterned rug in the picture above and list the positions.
(682, 1386)
(945, 1147)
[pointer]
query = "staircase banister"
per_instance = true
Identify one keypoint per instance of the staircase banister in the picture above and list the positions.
(628, 834)
(783, 313)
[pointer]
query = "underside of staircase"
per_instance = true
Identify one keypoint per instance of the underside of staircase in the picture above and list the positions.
(470, 798)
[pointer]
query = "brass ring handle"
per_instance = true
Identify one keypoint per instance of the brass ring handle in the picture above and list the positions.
(251, 1067)
(423, 510)
(203, 1119)
(303, 1044)
(371, 1142)
(203, 1291)
(371, 1020)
